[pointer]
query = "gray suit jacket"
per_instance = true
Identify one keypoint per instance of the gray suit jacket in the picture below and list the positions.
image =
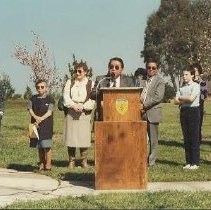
(154, 97)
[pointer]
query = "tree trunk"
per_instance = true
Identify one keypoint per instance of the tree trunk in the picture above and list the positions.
(173, 82)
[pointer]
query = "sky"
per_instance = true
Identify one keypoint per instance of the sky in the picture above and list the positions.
(93, 30)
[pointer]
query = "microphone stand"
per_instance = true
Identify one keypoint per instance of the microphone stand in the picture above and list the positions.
(97, 87)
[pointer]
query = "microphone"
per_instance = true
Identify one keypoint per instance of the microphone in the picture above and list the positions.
(97, 92)
(104, 78)
(112, 77)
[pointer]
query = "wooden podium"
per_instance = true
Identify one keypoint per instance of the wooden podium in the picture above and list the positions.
(120, 141)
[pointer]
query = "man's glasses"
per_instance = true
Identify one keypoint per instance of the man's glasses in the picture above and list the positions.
(114, 67)
(40, 87)
(151, 67)
(78, 71)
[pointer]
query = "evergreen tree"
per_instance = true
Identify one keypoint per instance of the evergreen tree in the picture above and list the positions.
(28, 93)
(6, 88)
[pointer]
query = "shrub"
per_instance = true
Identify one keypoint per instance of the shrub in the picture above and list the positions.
(169, 93)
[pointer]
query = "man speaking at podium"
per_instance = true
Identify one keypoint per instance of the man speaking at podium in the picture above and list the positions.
(114, 78)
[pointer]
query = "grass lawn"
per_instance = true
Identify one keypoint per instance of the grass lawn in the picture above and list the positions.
(16, 154)
(161, 200)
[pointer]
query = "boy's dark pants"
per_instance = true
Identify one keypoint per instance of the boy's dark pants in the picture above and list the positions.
(190, 120)
(201, 119)
(0, 125)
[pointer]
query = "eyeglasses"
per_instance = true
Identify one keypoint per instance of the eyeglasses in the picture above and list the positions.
(151, 67)
(114, 67)
(78, 71)
(40, 87)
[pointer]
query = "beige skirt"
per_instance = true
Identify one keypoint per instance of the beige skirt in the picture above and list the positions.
(77, 129)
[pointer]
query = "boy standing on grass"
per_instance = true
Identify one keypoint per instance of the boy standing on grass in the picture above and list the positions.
(188, 100)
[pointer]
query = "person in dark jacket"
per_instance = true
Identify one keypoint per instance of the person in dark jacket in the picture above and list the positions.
(140, 77)
(203, 94)
(1, 110)
(40, 107)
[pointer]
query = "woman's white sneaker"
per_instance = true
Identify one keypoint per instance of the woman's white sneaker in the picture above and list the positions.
(194, 167)
(187, 166)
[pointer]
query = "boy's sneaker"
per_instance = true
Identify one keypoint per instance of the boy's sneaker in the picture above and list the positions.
(187, 166)
(194, 167)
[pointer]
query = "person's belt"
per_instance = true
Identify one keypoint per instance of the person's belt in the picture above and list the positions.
(189, 108)
(86, 112)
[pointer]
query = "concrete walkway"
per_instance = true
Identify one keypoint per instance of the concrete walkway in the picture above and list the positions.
(16, 186)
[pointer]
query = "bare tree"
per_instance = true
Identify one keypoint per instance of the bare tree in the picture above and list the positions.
(40, 61)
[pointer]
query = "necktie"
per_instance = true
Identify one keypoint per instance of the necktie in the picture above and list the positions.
(114, 84)
(144, 92)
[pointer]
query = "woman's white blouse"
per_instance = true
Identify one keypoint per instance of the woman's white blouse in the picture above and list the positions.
(78, 94)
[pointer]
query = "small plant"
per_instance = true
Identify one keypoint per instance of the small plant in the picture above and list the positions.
(28, 93)
(169, 93)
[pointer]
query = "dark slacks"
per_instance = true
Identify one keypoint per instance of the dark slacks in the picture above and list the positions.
(190, 119)
(0, 125)
(201, 107)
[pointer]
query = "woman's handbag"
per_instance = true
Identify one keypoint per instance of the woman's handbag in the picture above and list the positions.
(33, 133)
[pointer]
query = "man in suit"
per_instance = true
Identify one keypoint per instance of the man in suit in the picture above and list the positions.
(113, 78)
(151, 98)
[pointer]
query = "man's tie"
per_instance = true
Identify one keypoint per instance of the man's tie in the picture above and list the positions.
(144, 92)
(114, 84)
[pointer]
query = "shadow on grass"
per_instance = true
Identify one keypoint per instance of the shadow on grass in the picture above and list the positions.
(84, 179)
(207, 162)
(64, 163)
(168, 162)
(205, 142)
(21, 167)
(16, 127)
(60, 163)
(171, 143)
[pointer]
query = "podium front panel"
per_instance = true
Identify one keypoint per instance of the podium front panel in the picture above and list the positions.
(120, 155)
(121, 104)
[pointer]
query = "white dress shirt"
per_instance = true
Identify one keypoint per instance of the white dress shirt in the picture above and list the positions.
(117, 82)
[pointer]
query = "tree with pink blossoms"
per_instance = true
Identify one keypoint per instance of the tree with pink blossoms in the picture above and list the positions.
(40, 61)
